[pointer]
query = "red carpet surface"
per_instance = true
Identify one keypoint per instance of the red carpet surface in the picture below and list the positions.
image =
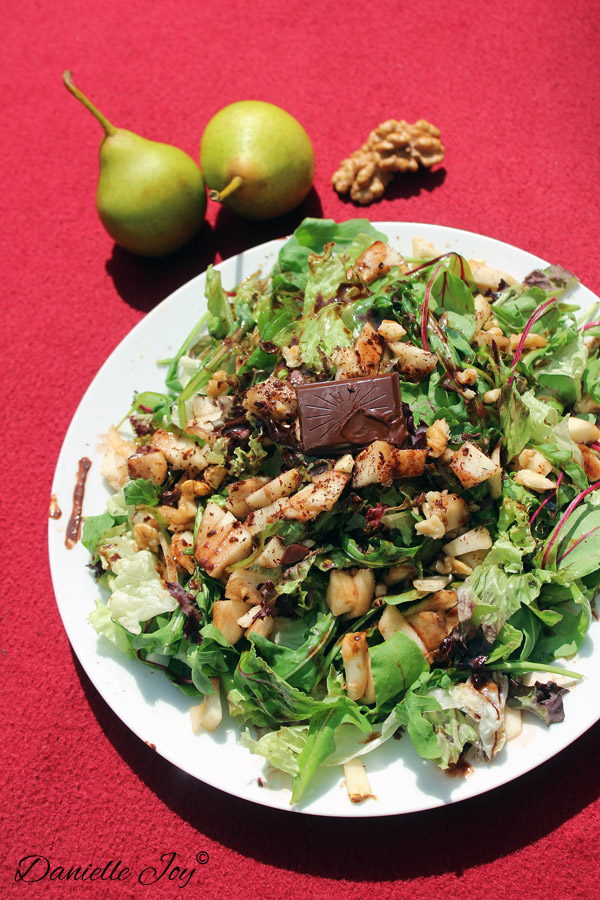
(514, 88)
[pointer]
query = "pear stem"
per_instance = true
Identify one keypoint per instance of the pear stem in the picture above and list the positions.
(233, 185)
(68, 82)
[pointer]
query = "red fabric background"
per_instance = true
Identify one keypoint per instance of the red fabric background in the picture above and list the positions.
(514, 88)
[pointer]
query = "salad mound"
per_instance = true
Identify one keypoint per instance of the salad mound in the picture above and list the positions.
(426, 573)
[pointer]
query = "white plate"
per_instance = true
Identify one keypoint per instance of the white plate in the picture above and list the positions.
(154, 708)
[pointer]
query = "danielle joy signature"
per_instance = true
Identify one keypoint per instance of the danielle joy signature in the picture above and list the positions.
(170, 867)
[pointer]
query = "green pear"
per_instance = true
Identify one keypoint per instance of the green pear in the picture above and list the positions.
(257, 159)
(151, 197)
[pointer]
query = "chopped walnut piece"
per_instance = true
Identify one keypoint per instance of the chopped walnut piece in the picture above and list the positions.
(394, 146)
(437, 437)
(467, 376)
(145, 532)
(180, 542)
(292, 356)
(218, 384)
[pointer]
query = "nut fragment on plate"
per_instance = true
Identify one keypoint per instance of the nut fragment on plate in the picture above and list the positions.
(394, 146)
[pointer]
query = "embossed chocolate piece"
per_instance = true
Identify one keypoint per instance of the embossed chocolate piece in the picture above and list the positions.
(336, 416)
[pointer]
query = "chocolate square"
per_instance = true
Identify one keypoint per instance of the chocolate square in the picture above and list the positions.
(337, 416)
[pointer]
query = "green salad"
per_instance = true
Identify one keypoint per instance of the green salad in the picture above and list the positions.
(424, 573)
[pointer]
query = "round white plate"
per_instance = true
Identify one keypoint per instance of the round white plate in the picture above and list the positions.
(154, 708)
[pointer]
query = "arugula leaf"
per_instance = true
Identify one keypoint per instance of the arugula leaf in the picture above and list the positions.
(320, 740)
(220, 318)
(530, 626)
(579, 549)
(565, 635)
(94, 531)
(514, 307)
(277, 701)
(142, 492)
(591, 379)
(508, 641)
(395, 665)
(379, 552)
(560, 370)
(163, 637)
(300, 666)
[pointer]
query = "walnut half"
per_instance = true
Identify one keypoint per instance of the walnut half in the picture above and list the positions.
(394, 146)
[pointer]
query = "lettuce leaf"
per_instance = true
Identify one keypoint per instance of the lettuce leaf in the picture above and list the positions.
(528, 421)
(438, 732)
(310, 237)
(137, 592)
(104, 624)
(490, 596)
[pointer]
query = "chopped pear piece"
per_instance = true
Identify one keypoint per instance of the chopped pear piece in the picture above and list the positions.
(263, 626)
(151, 465)
(486, 278)
(220, 540)
(441, 601)
(415, 363)
(281, 486)
(357, 665)
(225, 615)
(361, 359)
(273, 397)
(180, 452)
(451, 510)
(272, 555)
(393, 621)
(433, 626)
(370, 463)
(513, 722)
(317, 497)
(114, 465)
(350, 592)
(243, 585)
(357, 783)
(471, 466)
(209, 713)
(238, 492)
(476, 539)
(376, 261)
